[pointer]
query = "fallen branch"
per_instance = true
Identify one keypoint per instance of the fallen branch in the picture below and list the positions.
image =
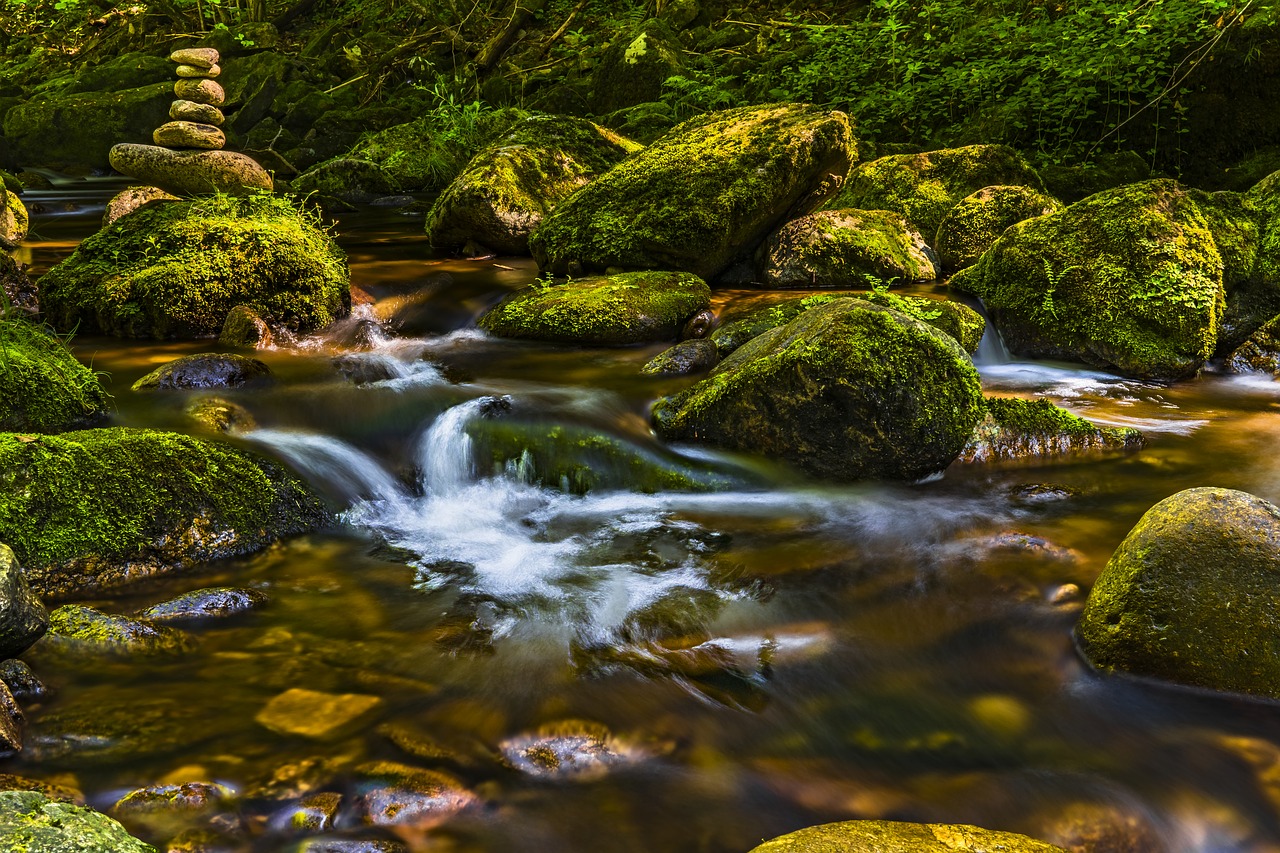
(521, 11)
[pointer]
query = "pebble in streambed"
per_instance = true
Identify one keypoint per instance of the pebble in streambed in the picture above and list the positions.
(204, 604)
(569, 750)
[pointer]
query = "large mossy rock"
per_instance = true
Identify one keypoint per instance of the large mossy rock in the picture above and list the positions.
(634, 67)
(1254, 299)
(99, 508)
(978, 220)
(1260, 353)
(177, 269)
(924, 187)
(32, 823)
(42, 386)
(1191, 595)
(883, 836)
(1129, 279)
(510, 186)
(846, 248)
(14, 220)
(702, 196)
(80, 129)
(612, 310)
(1037, 431)
(847, 390)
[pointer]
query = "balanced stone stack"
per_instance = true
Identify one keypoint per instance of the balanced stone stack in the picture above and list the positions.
(187, 157)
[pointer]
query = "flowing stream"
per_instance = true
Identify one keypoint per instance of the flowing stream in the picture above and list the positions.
(766, 656)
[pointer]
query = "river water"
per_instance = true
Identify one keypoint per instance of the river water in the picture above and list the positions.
(768, 656)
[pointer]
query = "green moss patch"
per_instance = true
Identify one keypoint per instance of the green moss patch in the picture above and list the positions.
(883, 836)
(42, 386)
(979, 219)
(1018, 430)
(846, 248)
(32, 823)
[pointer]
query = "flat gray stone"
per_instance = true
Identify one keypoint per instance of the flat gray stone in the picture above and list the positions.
(191, 111)
(189, 134)
(200, 91)
(130, 199)
(198, 72)
(201, 57)
(190, 172)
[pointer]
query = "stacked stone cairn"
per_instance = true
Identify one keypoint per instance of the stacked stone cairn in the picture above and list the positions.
(187, 158)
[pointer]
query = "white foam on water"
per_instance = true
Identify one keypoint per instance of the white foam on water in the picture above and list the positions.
(350, 472)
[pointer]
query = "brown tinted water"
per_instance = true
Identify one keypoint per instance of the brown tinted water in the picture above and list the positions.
(770, 656)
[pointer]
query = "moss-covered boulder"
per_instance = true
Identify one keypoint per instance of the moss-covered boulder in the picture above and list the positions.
(1256, 299)
(846, 248)
(1017, 430)
(705, 194)
(511, 185)
(80, 129)
(78, 630)
(42, 386)
(32, 823)
(955, 318)
(177, 269)
(883, 836)
(1251, 297)
(979, 219)
(100, 508)
(1260, 353)
(14, 220)
(1129, 279)
(613, 310)
(845, 391)
(1190, 595)
(634, 67)
(924, 187)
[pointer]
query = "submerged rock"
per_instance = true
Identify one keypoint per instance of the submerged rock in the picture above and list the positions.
(23, 617)
(177, 270)
(205, 370)
(191, 172)
(22, 681)
(1036, 431)
(159, 502)
(130, 199)
(846, 248)
(42, 386)
(511, 185)
(612, 310)
(687, 357)
(703, 195)
(925, 187)
(847, 390)
(883, 836)
(32, 823)
(1189, 595)
(978, 220)
(202, 604)
(75, 628)
(398, 795)
(1128, 279)
(567, 750)
(219, 415)
(168, 800)
(312, 714)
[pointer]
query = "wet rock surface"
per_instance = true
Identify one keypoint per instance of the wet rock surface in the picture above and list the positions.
(204, 371)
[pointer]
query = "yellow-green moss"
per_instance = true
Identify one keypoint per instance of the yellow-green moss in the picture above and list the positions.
(883, 836)
(701, 195)
(77, 629)
(1021, 430)
(846, 248)
(42, 386)
(177, 269)
(32, 823)
(980, 218)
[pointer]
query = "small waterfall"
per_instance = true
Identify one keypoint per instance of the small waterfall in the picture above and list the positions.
(444, 453)
(991, 349)
(349, 472)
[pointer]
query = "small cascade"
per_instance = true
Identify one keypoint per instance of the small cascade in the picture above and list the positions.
(444, 454)
(346, 471)
(991, 349)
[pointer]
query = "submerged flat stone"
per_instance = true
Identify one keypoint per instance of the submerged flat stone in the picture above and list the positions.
(190, 172)
(312, 714)
(201, 57)
(181, 110)
(189, 134)
(200, 91)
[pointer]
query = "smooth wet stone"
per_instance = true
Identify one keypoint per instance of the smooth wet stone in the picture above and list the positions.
(12, 723)
(201, 604)
(567, 750)
(191, 111)
(189, 134)
(200, 91)
(685, 358)
(23, 617)
(130, 199)
(22, 681)
(41, 825)
(61, 793)
(191, 172)
(349, 845)
(219, 415)
(201, 57)
(205, 370)
(77, 629)
(244, 328)
(883, 836)
(394, 794)
(168, 800)
(195, 71)
(316, 813)
(312, 714)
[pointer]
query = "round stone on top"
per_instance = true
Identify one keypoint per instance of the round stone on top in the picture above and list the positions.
(189, 134)
(201, 91)
(200, 57)
(197, 71)
(191, 111)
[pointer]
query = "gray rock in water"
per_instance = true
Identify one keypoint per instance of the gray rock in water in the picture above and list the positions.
(685, 358)
(219, 415)
(202, 91)
(23, 618)
(34, 822)
(201, 57)
(191, 111)
(199, 604)
(190, 172)
(22, 682)
(189, 134)
(204, 370)
(196, 72)
(130, 199)
(75, 628)
(398, 795)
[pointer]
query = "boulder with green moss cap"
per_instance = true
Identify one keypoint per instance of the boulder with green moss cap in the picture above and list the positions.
(846, 248)
(205, 370)
(979, 219)
(32, 823)
(1036, 430)
(704, 195)
(611, 310)
(159, 502)
(883, 836)
(845, 391)
(14, 220)
(78, 630)
(1252, 298)
(1190, 595)
(511, 185)
(42, 386)
(1129, 279)
(924, 187)
(177, 269)
(80, 129)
